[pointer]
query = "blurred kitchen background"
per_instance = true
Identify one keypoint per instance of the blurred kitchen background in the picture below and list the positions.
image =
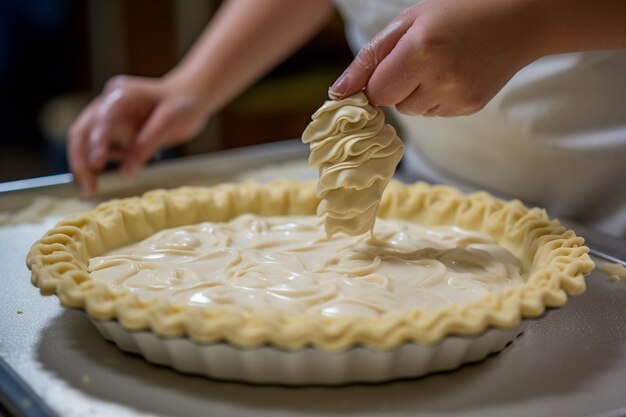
(55, 55)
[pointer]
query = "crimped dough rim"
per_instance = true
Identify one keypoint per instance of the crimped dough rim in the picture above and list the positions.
(553, 258)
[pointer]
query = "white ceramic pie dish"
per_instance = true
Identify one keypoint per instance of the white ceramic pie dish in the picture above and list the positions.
(308, 366)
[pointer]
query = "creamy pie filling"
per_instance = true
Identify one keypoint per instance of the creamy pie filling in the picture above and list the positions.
(288, 262)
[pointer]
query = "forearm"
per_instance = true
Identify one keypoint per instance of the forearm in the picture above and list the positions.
(244, 40)
(581, 25)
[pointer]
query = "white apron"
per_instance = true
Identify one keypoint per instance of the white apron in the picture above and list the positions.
(555, 136)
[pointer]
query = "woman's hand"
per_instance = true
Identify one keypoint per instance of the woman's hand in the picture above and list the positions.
(134, 117)
(131, 120)
(444, 57)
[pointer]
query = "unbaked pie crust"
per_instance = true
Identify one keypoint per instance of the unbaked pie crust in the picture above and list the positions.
(553, 259)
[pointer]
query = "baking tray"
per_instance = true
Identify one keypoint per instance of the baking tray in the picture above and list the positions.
(209, 169)
(572, 362)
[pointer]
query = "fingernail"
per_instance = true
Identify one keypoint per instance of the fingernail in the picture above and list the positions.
(340, 87)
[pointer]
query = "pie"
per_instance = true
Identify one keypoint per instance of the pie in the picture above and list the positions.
(525, 263)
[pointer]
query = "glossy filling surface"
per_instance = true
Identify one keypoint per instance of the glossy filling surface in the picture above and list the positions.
(288, 262)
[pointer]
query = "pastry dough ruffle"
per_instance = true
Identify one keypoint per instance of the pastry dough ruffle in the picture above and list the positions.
(554, 260)
(356, 154)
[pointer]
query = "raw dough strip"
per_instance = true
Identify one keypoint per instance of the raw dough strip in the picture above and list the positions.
(356, 154)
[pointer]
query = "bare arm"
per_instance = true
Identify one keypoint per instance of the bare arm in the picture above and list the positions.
(134, 117)
(451, 57)
(245, 39)
(580, 25)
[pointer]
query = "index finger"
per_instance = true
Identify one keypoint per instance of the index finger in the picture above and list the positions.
(77, 154)
(358, 73)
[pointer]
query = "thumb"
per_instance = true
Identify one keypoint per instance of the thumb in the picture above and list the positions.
(150, 138)
(358, 73)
